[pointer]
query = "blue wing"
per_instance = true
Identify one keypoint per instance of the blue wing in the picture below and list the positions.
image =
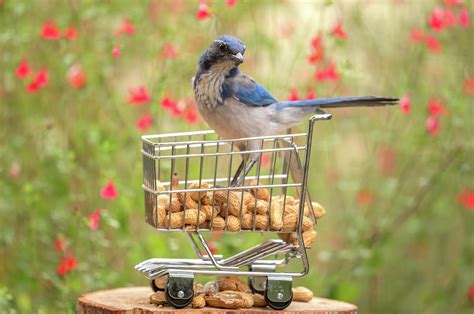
(247, 91)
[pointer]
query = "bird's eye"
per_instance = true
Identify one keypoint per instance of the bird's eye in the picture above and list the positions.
(222, 47)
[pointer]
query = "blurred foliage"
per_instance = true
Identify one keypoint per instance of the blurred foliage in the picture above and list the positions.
(395, 238)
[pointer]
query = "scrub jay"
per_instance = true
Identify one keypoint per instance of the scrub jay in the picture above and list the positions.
(236, 106)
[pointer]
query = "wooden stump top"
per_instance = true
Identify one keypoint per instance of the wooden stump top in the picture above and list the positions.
(135, 300)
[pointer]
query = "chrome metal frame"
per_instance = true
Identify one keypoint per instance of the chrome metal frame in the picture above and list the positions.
(165, 154)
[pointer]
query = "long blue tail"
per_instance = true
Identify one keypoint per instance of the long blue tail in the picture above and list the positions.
(362, 101)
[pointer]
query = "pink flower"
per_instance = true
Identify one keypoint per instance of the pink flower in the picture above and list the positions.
(432, 125)
(293, 95)
(116, 51)
(38, 82)
(230, 3)
(329, 73)
(50, 31)
(168, 51)
(453, 2)
(70, 33)
(126, 28)
(203, 11)
(145, 121)
(23, 69)
(167, 103)
(417, 35)
(436, 19)
(94, 219)
(433, 44)
(67, 265)
(76, 76)
(191, 116)
(138, 96)
(317, 50)
(466, 198)
(405, 103)
(60, 245)
(464, 18)
(109, 191)
(338, 32)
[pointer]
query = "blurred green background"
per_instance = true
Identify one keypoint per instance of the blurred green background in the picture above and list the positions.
(397, 183)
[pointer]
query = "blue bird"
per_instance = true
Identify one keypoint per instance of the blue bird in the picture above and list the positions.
(236, 106)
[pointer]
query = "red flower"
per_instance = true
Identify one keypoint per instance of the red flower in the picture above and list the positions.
(293, 95)
(317, 50)
(436, 108)
(145, 121)
(338, 32)
(469, 86)
(76, 76)
(405, 103)
(436, 19)
(433, 44)
(329, 73)
(310, 94)
(230, 3)
(191, 116)
(39, 81)
(94, 219)
(365, 197)
(23, 69)
(116, 51)
(67, 265)
(126, 28)
(70, 33)
(50, 31)
(386, 160)
(417, 35)
(470, 294)
(178, 108)
(203, 11)
(168, 51)
(464, 18)
(432, 125)
(109, 192)
(453, 2)
(60, 246)
(466, 198)
(138, 96)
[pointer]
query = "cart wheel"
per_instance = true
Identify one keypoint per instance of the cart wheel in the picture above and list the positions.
(179, 291)
(255, 287)
(278, 293)
(177, 303)
(154, 287)
(278, 305)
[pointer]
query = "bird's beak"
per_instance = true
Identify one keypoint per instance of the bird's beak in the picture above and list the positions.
(238, 58)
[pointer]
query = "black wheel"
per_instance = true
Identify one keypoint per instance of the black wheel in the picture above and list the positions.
(255, 288)
(177, 303)
(278, 305)
(154, 287)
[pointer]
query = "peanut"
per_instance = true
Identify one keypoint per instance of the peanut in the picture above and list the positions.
(319, 210)
(259, 300)
(177, 220)
(175, 205)
(161, 212)
(198, 288)
(191, 217)
(302, 294)
(159, 186)
(158, 298)
(260, 193)
(291, 220)
(261, 207)
(218, 223)
(161, 282)
(199, 301)
(232, 283)
(231, 202)
(162, 199)
(210, 288)
(208, 198)
(230, 300)
(207, 209)
(309, 236)
(260, 224)
(190, 203)
(233, 223)
(276, 216)
(198, 196)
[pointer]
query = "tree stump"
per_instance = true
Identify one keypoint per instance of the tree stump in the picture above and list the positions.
(135, 300)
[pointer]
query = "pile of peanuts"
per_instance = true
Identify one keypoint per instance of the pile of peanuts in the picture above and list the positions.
(227, 292)
(219, 210)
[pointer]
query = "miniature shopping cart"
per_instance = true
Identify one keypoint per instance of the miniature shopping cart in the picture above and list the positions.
(204, 164)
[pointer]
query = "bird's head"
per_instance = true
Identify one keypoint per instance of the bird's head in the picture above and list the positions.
(225, 50)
